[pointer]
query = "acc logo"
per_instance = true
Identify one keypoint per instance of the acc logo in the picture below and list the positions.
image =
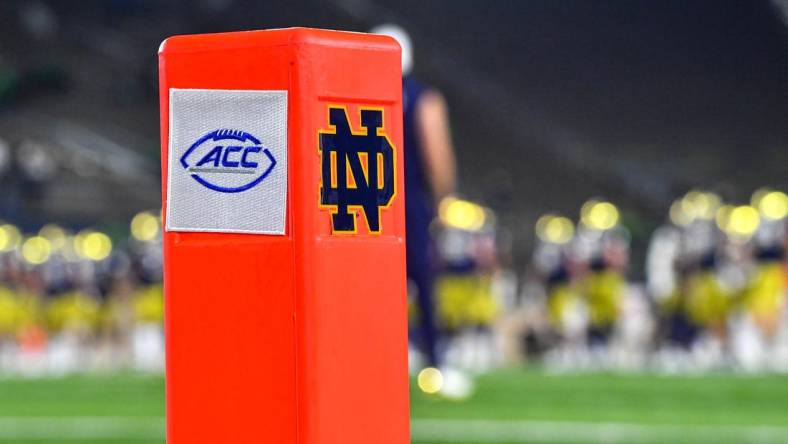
(228, 161)
(357, 169)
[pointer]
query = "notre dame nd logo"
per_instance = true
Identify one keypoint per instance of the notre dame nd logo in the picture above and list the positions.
(357, 169)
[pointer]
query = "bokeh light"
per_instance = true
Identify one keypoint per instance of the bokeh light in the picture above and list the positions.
(678, 216)
(55, 235)
(773, 205)
(430, 380)
(700, 205)
(554, 229)
(36, 250)
(741, 221)
(145, 226)
(92, 245)
(723, 217)
(461, 214)
(599, 215)
(10, 237)
(695, 205)
(757, 195)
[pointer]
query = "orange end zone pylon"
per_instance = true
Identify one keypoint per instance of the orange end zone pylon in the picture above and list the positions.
(284, 238)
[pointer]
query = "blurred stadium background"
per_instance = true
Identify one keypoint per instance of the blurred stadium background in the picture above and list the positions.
(613, 268)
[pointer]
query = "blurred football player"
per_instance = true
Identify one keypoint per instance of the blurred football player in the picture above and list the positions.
(765, 295)
(566, 310)
(429, 176)
(759, 341)
(604, 245)
(468, 302)
(605, 284)
(696, 296)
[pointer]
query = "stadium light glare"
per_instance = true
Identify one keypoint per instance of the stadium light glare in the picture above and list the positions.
(145, 226)
(705, 205)
(97, 246)
(55, 235)
(36, 250)
(688, 204)
(10, 237)
(678, 216)
(773, 205)
(599, 215)
(430, 380)
(758, 195)
(555, 229)
(723, 217)
(92, 245)
(742, 221)
(461, 214)
(77, 242)
(696, 205)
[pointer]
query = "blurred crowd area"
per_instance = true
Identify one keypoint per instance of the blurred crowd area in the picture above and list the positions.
(79, 301)
(713, 297)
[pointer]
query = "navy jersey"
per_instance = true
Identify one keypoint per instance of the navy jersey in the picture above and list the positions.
(419, 205)
(419, 212)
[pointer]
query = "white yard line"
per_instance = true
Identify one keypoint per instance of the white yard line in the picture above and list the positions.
(499, 431)
(63, 429)
(81, 428)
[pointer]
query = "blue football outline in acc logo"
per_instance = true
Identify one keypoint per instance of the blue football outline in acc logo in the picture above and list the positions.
(228, 134)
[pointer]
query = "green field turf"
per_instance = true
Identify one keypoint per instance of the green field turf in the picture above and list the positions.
(514, 406)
